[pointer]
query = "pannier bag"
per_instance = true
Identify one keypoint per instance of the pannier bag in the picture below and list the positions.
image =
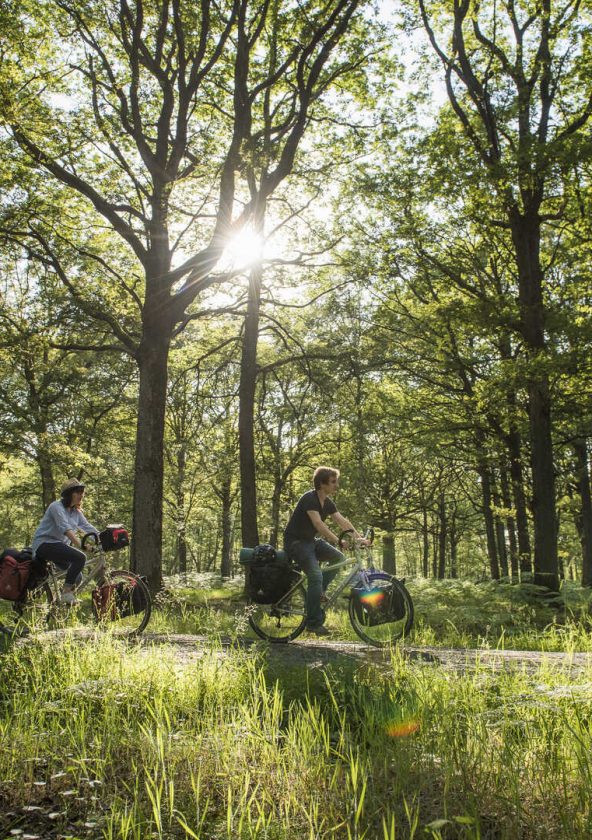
(378, 606)
(269, 576)
(118, 600)
(15, 570)
(103, 599)
(114, 537)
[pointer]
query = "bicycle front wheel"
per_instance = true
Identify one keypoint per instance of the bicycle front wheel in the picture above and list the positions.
(282, 621)
(373, 622)
(122, 604)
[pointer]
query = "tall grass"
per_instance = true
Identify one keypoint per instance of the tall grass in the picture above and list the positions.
(104, 740)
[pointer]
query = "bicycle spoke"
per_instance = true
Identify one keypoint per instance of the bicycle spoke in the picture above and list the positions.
(282, 621)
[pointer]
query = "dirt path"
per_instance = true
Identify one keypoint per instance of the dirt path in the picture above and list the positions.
(312, 653)
(315, 654)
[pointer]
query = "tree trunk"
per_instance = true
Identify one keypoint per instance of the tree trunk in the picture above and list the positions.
(48, 487)
(583, 484)
(275, 511)
(510, 521)
(389, 563)
(180, 512)
(426, 543)
(226, 495)
(514, 443)
(248, 381)
(148, 481)
(442, 537)
(483, 471)
(526, 235)
(500, 533)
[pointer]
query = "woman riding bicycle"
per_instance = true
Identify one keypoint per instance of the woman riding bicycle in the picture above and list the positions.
(56, 539)
(304, 544)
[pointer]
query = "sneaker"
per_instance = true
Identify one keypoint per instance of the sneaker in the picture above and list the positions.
(318, 630)
(69, 598)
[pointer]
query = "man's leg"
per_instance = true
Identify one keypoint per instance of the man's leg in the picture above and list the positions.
(324, 551)
(303, 553)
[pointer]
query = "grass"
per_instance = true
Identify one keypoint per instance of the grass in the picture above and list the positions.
(102, 739)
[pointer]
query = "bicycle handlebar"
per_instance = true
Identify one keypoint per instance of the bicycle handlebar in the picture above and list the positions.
(94, 539)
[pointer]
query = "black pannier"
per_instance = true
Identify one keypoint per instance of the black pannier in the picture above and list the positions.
(114, 537)
(378, 606)
(269, 576)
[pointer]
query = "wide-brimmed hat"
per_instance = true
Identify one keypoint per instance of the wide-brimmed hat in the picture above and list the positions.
(70, 485)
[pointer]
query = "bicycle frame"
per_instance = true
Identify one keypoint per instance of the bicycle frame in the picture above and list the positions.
(91, 567)
(358, 570)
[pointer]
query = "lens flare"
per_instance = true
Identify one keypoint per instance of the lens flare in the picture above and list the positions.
(373, 598)
(402, 728)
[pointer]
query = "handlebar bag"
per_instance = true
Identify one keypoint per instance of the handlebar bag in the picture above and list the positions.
(114, 537)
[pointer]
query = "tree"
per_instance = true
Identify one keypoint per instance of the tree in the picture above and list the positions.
(519, 86)
(172, 109)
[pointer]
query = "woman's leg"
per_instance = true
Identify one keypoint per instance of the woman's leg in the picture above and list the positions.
(64, 557)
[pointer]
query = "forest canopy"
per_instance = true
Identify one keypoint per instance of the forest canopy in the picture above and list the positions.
(242, 239)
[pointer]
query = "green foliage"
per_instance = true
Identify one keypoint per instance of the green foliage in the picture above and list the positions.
(110, 741)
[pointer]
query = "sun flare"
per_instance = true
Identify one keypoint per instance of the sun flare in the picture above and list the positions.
(243, 250)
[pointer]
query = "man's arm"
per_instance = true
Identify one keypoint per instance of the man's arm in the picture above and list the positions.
(321, 528)
(346, 525)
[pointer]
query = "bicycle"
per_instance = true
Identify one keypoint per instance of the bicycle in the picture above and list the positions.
(121, 602)
(380, 607)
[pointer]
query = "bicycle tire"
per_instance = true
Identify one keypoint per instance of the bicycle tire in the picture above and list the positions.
(383, 635)
(283, 621)
(37, 608)
(128, 612)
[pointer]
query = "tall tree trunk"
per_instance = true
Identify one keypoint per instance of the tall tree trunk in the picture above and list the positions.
(442, 537)
(180, 512)
(526, 235)
(45, 465)
(510, 521)
(583, 484)
(425, 560)
(514, 443)
(226, 496)
(500, 533)
(152, 360)
(389, 563)
(484, 475)
(248, 381)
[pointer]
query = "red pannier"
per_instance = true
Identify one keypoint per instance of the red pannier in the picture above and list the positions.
(14, 576)
(114, 537)
(104, 603)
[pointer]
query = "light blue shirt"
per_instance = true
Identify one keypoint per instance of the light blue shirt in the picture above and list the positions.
(58, 519)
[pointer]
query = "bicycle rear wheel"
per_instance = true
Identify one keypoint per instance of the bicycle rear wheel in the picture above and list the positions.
(395, 622)
(123, 604)
(32, 613)
(282, 621)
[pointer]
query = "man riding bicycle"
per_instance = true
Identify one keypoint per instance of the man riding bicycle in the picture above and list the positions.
(304, 543)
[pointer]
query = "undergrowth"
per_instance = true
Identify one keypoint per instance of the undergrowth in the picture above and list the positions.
(104, 740)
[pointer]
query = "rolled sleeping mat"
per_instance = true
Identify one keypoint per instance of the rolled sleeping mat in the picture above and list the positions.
(246, 555)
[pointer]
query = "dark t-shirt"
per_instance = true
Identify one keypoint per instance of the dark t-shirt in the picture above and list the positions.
(300, 526)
